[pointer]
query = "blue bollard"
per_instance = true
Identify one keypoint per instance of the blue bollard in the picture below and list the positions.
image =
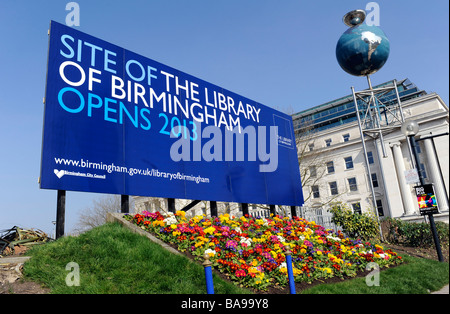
(290, 271)
(208, 275)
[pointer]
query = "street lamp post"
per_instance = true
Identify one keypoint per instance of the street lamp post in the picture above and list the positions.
(410, 128)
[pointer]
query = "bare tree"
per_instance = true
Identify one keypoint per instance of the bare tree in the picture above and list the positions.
(95, 215)
(313, 165)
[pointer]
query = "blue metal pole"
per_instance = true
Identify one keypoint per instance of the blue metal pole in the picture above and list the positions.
(290, 272)
(208, 275)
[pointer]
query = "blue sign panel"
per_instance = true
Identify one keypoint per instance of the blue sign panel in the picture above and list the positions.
(116, 122)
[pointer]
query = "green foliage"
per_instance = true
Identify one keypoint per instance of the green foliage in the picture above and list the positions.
(415, 234)
(364, 226)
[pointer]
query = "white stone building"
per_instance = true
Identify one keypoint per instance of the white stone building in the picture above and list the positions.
(333, 165)
(332, 162)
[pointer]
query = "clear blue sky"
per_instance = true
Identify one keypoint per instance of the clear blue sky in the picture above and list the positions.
(279, 53)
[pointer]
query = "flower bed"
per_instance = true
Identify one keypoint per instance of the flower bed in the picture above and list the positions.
(252, 251)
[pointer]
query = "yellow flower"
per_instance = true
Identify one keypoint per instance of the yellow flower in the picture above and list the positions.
(173, 226)
(209, 230)
(319, 252)
(180, 213)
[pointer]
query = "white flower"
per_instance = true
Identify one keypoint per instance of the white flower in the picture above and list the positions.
(282, 265)
(247, 241)
(170, 219)
(209, 252)
(333, 238)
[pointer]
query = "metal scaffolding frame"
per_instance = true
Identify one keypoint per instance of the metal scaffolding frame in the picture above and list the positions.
(375, 119)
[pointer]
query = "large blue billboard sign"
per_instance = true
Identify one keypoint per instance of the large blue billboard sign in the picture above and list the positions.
(116, 122)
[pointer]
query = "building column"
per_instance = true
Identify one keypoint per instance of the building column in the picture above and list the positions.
(408, 205)
(435, 175)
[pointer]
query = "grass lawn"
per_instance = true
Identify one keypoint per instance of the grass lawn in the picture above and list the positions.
(416, 276)
(112, 259)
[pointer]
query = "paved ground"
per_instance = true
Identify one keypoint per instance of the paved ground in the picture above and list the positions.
(442, 291)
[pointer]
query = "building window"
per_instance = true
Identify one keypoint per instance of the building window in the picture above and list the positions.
(311, 147)
(330, 167)
(352, 184)
(346, 137)
(313, 171)
(348, 162)
(356, 208)
(380, 208)
(328, 142)
(334, 188)
(374, 180)
(370, 157)
(315, 191)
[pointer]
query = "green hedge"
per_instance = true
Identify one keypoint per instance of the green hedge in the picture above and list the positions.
(415, 234)
(364, 226)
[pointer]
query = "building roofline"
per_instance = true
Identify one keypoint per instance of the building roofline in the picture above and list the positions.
(339, 101)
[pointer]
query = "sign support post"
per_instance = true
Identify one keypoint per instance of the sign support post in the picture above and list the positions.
(171, 205)
(244, 209)
(60, 213)
(213, 206)
(293, 211)
(125, 204)
(272, 209)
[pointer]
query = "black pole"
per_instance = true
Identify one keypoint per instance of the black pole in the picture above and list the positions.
(272, 209)
(60, 213)
(437, 243)
(125, 204)
(171, 205)
(293, 211)
(413, 143)
(213, 206)
(244, 208)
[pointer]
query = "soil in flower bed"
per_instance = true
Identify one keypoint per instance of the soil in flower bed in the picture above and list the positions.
(422, 252)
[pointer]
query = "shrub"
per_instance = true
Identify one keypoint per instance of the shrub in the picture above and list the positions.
(364, 226)
(415, 234)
